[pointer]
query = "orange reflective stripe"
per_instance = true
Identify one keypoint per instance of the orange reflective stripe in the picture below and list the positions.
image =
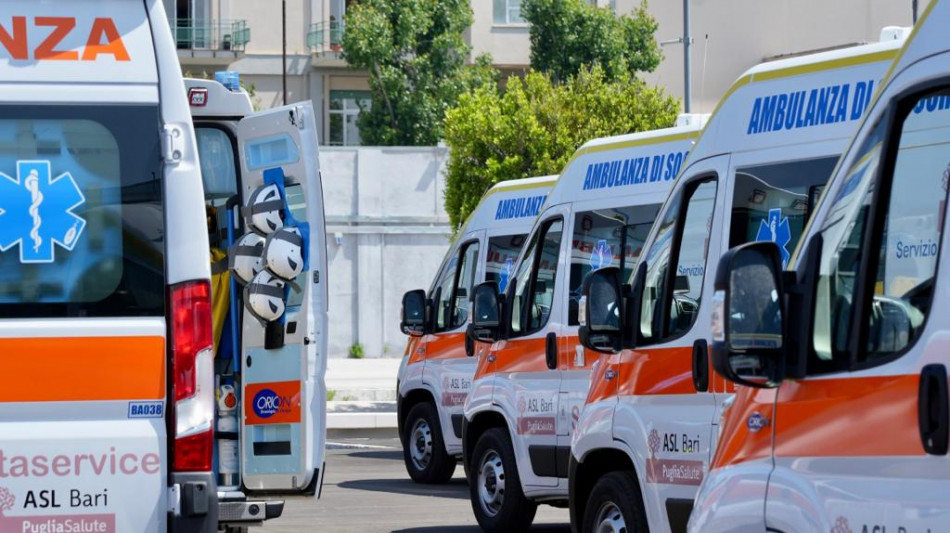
(416, 351)
(521, 355)
(848, 417)
(446, 345)
(82, 369)
(602, 388)
(649, 371)
(738, 444)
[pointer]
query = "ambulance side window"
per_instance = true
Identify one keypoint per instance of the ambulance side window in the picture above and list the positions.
(603, 238)
(443, 293)
(463, 286)
(452, 294)
(519, 294)
(899, 284)
(676, 265)
(534, 289)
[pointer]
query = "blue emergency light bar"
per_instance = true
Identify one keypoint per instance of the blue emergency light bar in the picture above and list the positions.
(228, 78)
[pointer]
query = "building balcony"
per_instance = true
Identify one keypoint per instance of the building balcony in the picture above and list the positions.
(325, 37)
(210, 41)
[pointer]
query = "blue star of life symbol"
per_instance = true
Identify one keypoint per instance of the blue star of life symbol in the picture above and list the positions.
(601, 256)
(505, 275)
(776, 229)
(36, 211)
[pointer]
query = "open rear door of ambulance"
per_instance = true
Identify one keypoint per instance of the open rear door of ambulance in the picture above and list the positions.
(283, 423)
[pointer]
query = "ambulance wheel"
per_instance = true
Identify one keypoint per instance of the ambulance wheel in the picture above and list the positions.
(500, 505)
(424, 449)
(615, 505)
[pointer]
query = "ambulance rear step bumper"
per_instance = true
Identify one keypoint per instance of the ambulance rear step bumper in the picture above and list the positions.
(235, 508)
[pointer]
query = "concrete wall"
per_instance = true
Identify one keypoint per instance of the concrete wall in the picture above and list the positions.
(387, 232)
(742, 33)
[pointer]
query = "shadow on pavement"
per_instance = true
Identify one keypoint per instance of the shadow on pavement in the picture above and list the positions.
(456, 488)
(395, 455)
(539, 528)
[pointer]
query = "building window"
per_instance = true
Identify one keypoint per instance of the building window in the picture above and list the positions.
(508, 12)
(344, 109)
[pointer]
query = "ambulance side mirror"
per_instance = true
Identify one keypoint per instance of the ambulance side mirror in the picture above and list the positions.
(486, 313)
(414, 313)
(600, 313)
(748, 326)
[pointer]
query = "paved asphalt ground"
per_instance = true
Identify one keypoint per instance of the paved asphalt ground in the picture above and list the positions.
(367, 490)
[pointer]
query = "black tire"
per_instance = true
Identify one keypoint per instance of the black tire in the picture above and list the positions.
(515, 512)
(424, 455)
(620, 490)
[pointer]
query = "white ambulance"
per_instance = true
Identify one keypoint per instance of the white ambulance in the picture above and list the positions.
(435, 374)
(649, 427)
(842, 423)
(531, 382)
(106, 377)
(282, 452)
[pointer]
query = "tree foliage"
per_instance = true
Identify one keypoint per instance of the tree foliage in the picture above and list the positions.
(414, 52)
(570, 35)
(534, 127)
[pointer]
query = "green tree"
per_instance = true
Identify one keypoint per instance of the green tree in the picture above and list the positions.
(534, 127)
(569, 35)
(415, 53)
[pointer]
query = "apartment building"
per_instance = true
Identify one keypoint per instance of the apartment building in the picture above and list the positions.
(729, 36)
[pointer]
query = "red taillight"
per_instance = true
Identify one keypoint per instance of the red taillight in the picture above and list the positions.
(193, 454)
(191, 332)
(192, 376)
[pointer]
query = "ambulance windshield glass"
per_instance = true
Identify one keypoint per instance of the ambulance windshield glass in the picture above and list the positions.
(81, 216)
(502, 258)
(774, 202)
(603, 238)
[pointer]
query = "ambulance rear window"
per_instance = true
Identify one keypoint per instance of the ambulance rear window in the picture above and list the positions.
(81, 217)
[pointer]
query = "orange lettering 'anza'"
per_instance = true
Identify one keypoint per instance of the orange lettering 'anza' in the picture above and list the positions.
(104, 27)
(46, 49)
(16, 44)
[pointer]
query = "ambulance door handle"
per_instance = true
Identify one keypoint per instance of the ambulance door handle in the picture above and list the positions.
(933, 409)
(701, 365)
(550, 350)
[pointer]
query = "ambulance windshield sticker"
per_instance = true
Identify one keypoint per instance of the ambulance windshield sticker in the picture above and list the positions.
(601, 256)
(776, 229)
(505, 274)
(36, 211)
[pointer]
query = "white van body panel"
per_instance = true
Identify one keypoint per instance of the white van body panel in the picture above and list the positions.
(633, 170)
(92, 462)
(816, 493)
(184, 194)
(674, 432)
(442, 370)
(821, 488)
